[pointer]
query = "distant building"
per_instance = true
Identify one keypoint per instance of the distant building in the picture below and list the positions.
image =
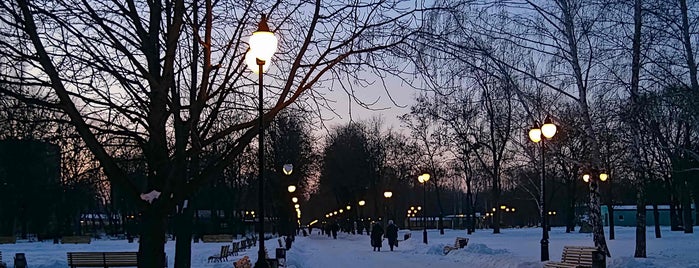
(626, 215)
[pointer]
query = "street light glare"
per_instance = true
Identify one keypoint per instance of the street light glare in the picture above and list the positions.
(586, 177)
(603, 176)
(548, 129)
(294, 199)
(388, 194)
(291, 188)
(263, 42)
(361, 202)
(535, 134)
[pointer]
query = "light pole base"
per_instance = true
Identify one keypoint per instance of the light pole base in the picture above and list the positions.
(544, 249)
(424, 236)
(261, 264)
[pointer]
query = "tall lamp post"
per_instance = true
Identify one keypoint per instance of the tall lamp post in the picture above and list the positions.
(539, 134)
(263, 45)
(387, 195)
(423, 180)
(360, 211)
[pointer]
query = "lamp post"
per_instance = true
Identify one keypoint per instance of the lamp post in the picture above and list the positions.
(423, 180)
(263, 45)
(387, 195)
(361, 204)
(539, 134)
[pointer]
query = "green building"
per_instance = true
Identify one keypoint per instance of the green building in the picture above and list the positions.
(625, 215)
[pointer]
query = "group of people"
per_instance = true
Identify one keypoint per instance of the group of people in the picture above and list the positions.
(377, 234)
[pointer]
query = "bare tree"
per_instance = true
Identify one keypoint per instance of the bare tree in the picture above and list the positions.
(162, 75)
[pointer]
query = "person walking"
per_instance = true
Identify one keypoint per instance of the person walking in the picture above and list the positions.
(376, 234)
(334, 228)
(392, 234)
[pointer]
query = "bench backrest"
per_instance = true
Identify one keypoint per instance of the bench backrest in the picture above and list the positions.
(116, 258)
(578, 255)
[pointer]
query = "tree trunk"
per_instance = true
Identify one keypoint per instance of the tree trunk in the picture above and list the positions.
(597, 228)
(610, 208)
(674, 216)
(640, 223)
(656, 220)
(183, 233)
(151, 249)
(570, 214)
(687, 222)
(441, 209)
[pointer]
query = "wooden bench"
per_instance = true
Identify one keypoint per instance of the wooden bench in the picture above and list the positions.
(459, 242)
(222, 256)
(217, 238)
(574, 257)
(78, 239)
(8, 239)
(103, 259)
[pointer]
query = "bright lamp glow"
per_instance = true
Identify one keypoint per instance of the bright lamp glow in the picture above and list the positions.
(388, 194)
(291, 188)
(348, 207)
(263, 41)
(263, 45)
(419, 208)
(294, 199)
(548, 129)
(535, 134)
(423, 178)
(297, 206)
(586, 178)
(603, 176)
(361, 202)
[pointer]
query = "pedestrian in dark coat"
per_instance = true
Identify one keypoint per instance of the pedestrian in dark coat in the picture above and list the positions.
(376, 234)
(392, 234)
(335, 227)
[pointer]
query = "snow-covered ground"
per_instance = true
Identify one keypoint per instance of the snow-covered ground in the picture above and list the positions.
(511, 248)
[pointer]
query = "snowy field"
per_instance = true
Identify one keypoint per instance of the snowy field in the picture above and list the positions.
(511, 248)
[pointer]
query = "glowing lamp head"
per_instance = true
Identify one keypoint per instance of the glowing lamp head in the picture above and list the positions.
(361, 202)
(263, 45)
(586, 177)
(535, 134)
(548, 129)
(291, 188)
(388, 194)
(287, 169)
(603, 176)
(294, 199)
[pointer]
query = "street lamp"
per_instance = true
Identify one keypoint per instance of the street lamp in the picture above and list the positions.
(263, 45)
(361, 204)
(287, 169)
(423, 180)
(548, 130)
(387, 195)
(291, 188)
